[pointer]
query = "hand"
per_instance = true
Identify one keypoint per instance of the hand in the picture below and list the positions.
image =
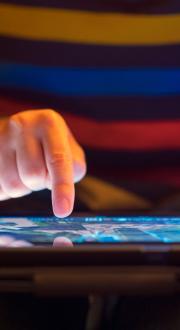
(9, 241)
(38, 151)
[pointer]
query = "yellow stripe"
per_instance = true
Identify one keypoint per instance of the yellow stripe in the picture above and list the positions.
(88, 27)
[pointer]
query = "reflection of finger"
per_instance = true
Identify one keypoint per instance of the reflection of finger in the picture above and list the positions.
(5, 240)
(62, 241)
(20, 244)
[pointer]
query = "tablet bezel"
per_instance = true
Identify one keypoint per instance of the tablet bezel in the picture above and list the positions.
(125, 268)
(136, 253)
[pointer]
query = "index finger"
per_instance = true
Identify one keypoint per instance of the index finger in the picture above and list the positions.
(59, 164)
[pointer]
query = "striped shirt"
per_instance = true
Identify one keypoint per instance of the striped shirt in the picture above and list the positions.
(112, 69)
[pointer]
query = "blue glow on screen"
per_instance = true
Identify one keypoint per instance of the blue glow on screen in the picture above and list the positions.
(104, 229)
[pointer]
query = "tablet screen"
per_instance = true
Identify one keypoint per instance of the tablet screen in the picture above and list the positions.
(87, 229)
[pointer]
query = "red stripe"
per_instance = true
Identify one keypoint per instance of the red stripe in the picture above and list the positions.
(9, 106)
(123, 135)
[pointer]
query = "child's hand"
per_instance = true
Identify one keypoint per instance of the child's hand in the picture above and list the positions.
(38, 151)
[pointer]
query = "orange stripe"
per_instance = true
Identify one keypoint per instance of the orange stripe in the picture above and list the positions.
(151, 135)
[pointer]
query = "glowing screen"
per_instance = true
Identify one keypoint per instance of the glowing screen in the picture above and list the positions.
(93, 229)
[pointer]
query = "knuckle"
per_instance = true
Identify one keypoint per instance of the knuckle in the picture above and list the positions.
(14, 188)
(49, 112)
(13, 118)
(48, 117)
(13, 184)
(17, 123)
(34, 178)
(33, 172)
(60, 158)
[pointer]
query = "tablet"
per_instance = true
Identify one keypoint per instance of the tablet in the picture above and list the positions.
(87, 229)
(122, 254)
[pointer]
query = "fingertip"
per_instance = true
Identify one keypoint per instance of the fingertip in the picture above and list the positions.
(62, 208)
(63, 200)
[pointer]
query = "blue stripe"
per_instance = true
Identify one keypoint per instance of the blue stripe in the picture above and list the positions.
(91, 82)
